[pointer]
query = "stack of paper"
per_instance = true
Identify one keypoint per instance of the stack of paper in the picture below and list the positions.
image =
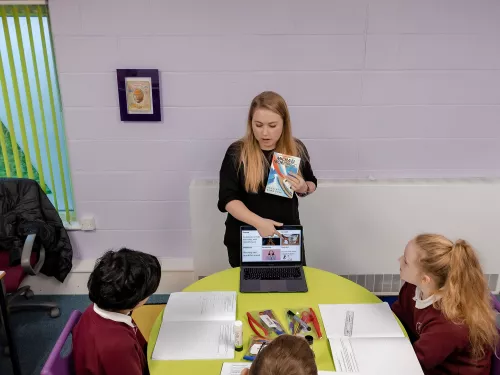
(197, 326)
(366, 338)
(235, 368)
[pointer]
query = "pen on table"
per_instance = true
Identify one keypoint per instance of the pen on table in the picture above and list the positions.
(278, 329)
(298, 320)
(291, 326)
(316, 323)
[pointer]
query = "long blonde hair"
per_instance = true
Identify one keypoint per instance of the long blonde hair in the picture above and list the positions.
(465, 297)
(251, 156)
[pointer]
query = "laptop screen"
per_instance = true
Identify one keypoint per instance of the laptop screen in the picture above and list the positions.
(287, 248)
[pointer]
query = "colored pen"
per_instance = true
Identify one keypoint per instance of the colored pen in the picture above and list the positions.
(298, 320)
(316, 323)
(248, 358)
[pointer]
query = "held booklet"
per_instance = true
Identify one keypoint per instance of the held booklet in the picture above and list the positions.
(366, 338)
(197, 326)
(281, 166)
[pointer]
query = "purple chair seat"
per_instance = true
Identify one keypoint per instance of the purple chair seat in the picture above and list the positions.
(56, 364)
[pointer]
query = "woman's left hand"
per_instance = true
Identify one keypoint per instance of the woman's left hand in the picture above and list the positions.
(299, 185)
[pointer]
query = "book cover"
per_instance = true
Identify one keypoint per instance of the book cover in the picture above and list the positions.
(281, 166)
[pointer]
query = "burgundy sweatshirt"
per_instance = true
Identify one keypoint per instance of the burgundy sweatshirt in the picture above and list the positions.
(442, 347)
(106, 347)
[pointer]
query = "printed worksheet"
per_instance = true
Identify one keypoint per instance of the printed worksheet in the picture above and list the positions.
(197, 326)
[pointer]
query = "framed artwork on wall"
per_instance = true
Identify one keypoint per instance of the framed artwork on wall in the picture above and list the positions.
(139, 94)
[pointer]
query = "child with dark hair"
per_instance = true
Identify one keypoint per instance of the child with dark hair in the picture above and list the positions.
(106, 340)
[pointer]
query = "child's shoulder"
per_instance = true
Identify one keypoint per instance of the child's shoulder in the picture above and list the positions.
(438, 322)
(407, 290)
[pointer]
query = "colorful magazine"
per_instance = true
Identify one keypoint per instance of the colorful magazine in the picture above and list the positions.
(281, 166)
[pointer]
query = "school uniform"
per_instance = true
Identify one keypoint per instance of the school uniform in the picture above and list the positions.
(442, 347)
(268, 206)
(108, 343)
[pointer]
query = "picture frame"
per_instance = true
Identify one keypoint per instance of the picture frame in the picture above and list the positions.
(139, 94)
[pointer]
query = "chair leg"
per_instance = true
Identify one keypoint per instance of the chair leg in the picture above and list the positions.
(29, 305)
(20, 292)
(24, 304)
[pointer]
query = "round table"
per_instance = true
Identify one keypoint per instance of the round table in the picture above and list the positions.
(324, 287)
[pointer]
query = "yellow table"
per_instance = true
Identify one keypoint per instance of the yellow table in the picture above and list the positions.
(324, 287)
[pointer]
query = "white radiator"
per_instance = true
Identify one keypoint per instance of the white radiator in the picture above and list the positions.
(359, 228)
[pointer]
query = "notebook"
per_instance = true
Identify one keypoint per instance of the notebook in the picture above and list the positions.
(197, 326)
(235, 368)
(366, 338)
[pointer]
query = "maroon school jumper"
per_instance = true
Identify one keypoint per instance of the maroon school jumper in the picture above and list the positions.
(106, 347)
(442, 347)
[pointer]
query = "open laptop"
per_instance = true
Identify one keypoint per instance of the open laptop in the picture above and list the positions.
(272, 264)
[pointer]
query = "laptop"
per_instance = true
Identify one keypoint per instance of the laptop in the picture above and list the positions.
(272, 264)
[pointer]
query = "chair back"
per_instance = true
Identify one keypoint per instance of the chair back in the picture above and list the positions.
(57, 364)
(495, 360)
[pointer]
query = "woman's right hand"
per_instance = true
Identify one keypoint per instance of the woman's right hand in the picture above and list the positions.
(267, 227)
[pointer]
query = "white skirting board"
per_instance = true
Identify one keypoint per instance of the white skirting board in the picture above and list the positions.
(174, 278)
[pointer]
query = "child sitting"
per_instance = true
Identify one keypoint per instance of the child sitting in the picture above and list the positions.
(445, 306)
(285, 355)
(106, 341)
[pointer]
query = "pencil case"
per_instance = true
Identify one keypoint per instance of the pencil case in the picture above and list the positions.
(265, 323)
(255, 345)
(302, 321)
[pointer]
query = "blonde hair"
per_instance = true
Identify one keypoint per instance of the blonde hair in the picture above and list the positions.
(251, 157)
(285, 355)
(465, 297)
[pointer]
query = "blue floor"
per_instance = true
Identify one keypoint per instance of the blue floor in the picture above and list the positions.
(36, 333)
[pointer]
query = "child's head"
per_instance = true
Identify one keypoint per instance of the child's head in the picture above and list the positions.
(123, 280)
(285, 355)
(452, 272)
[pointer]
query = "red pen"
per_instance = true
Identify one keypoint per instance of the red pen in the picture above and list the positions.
(316, 323)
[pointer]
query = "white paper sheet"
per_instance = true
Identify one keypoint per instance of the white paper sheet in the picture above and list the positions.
(368, 320)
(203, 306)
(367, 339)
(195, 340)
(385, 355)
(235, 368)
(197, 326)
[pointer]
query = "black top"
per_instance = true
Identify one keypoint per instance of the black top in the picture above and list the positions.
(268, 206)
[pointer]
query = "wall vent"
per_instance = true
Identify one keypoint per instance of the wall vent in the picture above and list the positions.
(389, 284)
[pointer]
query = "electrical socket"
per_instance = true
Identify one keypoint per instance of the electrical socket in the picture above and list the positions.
(87, 223)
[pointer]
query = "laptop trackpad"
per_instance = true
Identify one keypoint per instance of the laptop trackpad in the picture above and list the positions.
(273, 286)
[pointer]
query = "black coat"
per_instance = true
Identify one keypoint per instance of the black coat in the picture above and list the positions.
(25, 209)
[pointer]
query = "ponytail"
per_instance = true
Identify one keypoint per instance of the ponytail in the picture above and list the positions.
(465, 297)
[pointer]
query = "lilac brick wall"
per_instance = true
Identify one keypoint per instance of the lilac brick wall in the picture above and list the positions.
(383, 88)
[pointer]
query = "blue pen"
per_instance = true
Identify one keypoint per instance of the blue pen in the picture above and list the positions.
(298, 320)
(268, 314)
(279, 329)
(248, 358)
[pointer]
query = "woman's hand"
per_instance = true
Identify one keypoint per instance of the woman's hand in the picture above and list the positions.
(267, 227)
(299, 185)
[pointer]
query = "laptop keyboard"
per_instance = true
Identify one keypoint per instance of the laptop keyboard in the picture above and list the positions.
(258, 273)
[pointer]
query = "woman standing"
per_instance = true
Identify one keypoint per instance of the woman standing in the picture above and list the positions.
(245, 169)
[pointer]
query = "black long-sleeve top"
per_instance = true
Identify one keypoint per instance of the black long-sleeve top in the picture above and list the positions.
(268, 206)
